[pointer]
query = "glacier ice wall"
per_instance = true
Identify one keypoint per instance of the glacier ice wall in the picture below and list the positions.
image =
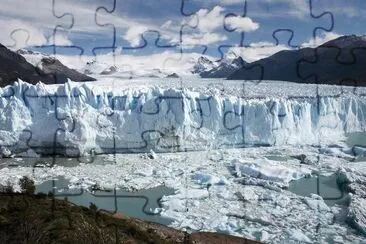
(76, 120)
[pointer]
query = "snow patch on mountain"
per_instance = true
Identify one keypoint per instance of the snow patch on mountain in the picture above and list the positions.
(203, 64)
(33, 57)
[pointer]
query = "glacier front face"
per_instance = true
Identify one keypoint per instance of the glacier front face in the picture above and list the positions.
(74, 119)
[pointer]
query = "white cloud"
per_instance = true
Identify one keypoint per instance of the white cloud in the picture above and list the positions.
(19, 34)
(242, 23)
(319, 40)
(60, 40)
(36, 16)
(257, 51)
(192, 40)
(208, 21)
(167, 24)
(133, 34)
(260, 50)
(210, 26)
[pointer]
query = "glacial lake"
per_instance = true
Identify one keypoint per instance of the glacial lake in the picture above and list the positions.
(324, 186)
(139, 204)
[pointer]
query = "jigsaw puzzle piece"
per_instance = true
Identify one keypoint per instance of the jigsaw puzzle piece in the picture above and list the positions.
(111, 26)
(201, 24)
(201, 110)
(322, 22)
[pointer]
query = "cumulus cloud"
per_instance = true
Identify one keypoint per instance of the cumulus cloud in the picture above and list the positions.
(209, 26)
(60, 40)
(319, 40)
(133, 34)
(208, 21)
(241, 23)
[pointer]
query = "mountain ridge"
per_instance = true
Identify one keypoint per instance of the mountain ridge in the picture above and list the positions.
(340, 61)
(50, 70)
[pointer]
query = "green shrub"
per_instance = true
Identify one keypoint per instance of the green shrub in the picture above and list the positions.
(9, 188)
(93, 207)
(27, 185)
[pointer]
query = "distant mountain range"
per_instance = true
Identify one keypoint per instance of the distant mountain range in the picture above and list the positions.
(224, 69)
(48, 70)
(340, 61)
(217, 69)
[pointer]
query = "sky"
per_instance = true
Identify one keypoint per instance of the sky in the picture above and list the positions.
(253, 29)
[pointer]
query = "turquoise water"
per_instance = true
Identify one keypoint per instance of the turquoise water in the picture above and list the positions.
(138, 204)
(356, 139)
(324, 186)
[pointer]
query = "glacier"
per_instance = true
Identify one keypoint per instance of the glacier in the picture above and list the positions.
(76, 119)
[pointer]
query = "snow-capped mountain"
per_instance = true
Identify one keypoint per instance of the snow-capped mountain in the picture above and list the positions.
(95, 67)
(203, 64)
(51, 67)
(100, 69)
(224, 69)
(33, 57)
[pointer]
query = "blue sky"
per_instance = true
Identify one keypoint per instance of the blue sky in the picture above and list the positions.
(203, 29)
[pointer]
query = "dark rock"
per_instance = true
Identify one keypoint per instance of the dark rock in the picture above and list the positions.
(174, 75)
(109, 71)
(60, 73)
(14, 66)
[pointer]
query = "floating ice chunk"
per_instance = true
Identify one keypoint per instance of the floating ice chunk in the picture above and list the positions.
(265, 237)
(356, 216)
(359, 151)
(268, 170)
(207, 179)
(5, 152)
(30, 153)
(177, 205)
(145, 170)
(192, 194)
(152, 154)
(317, 203)
(298, 235)
(339, 151)
(248, 194)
